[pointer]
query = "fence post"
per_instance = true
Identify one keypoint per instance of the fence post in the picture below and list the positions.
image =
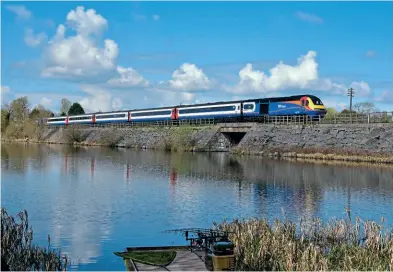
(368, 118)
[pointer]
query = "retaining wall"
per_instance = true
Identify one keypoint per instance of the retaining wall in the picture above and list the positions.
(371, 138)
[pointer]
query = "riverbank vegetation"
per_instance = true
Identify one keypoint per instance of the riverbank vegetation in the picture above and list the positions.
(321, 153)
(17, 251)
(19, 120)
(311, 245)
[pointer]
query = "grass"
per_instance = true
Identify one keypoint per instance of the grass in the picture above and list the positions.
(322, 153)
(158, 258)
(310, 245)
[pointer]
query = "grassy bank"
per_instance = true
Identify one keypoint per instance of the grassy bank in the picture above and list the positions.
(157, 258)
(323, 154)
(183, 138)
(310, 246)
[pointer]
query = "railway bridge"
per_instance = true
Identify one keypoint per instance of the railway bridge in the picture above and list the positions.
(234, 132)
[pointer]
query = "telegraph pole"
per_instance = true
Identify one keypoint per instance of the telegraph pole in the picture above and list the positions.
(350, 94)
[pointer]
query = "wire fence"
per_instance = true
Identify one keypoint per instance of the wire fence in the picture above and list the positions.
(355, 118)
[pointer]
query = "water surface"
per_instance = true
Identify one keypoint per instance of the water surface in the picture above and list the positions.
(94, 201)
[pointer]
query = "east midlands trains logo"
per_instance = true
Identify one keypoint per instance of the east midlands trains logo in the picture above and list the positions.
(282, 106)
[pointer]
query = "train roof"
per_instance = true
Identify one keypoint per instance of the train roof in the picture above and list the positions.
(267, 99)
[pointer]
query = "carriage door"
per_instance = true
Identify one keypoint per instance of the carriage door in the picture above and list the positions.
(264, 108)
(174, 114)
(66, 120)
(94, 118)
(304, 102)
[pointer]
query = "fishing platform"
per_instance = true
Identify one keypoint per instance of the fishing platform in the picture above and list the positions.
(209, 250)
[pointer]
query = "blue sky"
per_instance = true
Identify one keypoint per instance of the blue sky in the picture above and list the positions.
(166, 53)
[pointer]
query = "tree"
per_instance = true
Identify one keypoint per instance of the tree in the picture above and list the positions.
(5, 119)
(345, 111)
(19, 109)
(330, 113)
(65, 106)
(40, 112)
(364, 107)
(76, 109)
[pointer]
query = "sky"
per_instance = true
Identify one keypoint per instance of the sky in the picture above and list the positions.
(131, 55)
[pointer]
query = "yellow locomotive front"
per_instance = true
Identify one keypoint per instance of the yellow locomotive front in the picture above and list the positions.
(316, 104)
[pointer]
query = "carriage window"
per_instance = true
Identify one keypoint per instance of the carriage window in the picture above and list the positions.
(56, 120)
(79, 118)
(151, 113)
(303, 103)
(210, 109)
(316, 101)
(248, 107)
(110, 116)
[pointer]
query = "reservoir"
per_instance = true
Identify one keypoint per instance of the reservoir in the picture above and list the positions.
(93, 201)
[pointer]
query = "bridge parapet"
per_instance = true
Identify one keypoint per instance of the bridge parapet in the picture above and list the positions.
(235, 127)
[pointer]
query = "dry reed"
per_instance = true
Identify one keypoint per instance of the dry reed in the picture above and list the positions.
(17, 252)
(310, 245)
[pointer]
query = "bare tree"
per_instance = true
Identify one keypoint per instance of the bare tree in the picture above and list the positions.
(364, 107)
(19, 109)
(65, 106)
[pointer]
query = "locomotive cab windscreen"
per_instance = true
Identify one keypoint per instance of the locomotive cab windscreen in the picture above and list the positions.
(316, 103)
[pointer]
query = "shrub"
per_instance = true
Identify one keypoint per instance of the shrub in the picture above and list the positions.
(73, 134)
(111, 138)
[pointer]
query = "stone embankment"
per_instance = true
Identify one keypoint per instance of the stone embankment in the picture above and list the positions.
(357, 142)
(349, 139)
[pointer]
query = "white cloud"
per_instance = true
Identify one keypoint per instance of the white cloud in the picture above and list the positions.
(156, 17)
(86, 22)
(189, 78)
(46, 102)
(117, 104)
(99, 99)
(128, 77)
(78, 56)
(308, 17)
(304, 75)
(170, 98)
(32, 39)
(282, 76)
(20, 10)
(5, 89)
(361, 88)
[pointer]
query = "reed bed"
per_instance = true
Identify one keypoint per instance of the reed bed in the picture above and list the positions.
(17, 251)
(310, 245)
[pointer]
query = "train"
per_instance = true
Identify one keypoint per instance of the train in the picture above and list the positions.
(297, 105)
